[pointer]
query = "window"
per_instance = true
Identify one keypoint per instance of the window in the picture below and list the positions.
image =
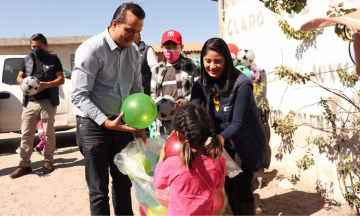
(11, 71)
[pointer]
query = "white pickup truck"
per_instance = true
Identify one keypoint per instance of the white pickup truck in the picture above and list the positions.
(11, 97)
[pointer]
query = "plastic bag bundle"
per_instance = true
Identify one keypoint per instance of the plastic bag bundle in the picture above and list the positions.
(232, 168)
(138, 161)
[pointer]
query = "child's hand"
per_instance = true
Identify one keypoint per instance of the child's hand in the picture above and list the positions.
(172, 132)
(162, 154)
(221, 139)
(178, 103)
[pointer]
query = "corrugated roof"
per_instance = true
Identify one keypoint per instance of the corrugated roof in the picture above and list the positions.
(188, 48)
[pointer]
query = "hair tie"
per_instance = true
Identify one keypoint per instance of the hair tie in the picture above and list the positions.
(186, 138)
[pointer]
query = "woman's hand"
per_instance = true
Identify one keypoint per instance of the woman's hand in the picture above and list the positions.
(162, 154)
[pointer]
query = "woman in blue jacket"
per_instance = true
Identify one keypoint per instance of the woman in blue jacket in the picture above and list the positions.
(227, 94)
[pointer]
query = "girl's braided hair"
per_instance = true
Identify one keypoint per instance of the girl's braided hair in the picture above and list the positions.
(195, 126)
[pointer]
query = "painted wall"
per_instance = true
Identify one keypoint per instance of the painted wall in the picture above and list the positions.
(250, 25)
(62, 51)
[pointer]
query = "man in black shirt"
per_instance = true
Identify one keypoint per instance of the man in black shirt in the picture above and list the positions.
(41, 106)
(40, 75)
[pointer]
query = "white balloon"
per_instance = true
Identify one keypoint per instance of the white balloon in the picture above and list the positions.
(30, 85)
(165, 107)
(246, 57)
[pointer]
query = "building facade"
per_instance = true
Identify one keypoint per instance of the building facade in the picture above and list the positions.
(250, 25)
(65, 47)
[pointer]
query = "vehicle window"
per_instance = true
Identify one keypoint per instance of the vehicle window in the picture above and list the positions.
(67, 74)
(11, 71)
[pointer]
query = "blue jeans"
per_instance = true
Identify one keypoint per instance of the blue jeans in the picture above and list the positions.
(99, 146)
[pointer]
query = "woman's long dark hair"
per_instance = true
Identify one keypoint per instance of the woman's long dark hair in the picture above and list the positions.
(218, 45)
(195, 126)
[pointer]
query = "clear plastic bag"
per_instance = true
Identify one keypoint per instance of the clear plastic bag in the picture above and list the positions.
(232, 168)
(138, 161)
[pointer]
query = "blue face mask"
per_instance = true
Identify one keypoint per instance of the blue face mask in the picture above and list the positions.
(38, 52)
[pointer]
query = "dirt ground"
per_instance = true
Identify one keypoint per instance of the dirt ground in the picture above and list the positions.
(64, 191)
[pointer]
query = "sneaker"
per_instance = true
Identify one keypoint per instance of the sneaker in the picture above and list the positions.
(18, 150)
(38, 150)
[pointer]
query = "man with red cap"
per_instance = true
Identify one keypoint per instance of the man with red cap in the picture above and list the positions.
(175, 75)
(351, 20)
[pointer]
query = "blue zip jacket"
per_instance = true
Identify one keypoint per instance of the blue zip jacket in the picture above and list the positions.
(249, 140)
(48, 65)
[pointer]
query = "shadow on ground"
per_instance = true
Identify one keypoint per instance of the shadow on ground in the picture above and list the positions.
(37, 167)
(63, 139)
(292, 203)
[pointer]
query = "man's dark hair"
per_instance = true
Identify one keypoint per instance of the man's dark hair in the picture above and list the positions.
(120, 13)
(38, 37)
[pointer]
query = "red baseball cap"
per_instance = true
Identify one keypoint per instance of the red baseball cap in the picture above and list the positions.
(171, 35)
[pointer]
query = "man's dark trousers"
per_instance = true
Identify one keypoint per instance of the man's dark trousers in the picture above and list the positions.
(99, 146)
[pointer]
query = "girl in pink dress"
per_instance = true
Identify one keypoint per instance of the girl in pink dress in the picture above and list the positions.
(40, 148)
(200, 169)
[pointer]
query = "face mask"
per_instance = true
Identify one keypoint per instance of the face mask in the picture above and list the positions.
(172, 55)
(38, 52)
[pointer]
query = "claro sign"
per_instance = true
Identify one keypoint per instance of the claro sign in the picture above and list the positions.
(243, 24)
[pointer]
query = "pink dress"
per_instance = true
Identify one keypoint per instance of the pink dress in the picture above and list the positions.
(41, 144)
(39, 126)
(190, 192)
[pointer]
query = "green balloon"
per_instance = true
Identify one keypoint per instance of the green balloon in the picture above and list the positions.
(139, 110)
(140, 160)
(243, 70)
(157, 210)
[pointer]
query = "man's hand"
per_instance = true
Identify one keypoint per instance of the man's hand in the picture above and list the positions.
(43, 86)
(118, 125)
(141, 134)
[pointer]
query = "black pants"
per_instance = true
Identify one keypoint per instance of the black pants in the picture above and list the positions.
(99, 146)
(238, 188)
